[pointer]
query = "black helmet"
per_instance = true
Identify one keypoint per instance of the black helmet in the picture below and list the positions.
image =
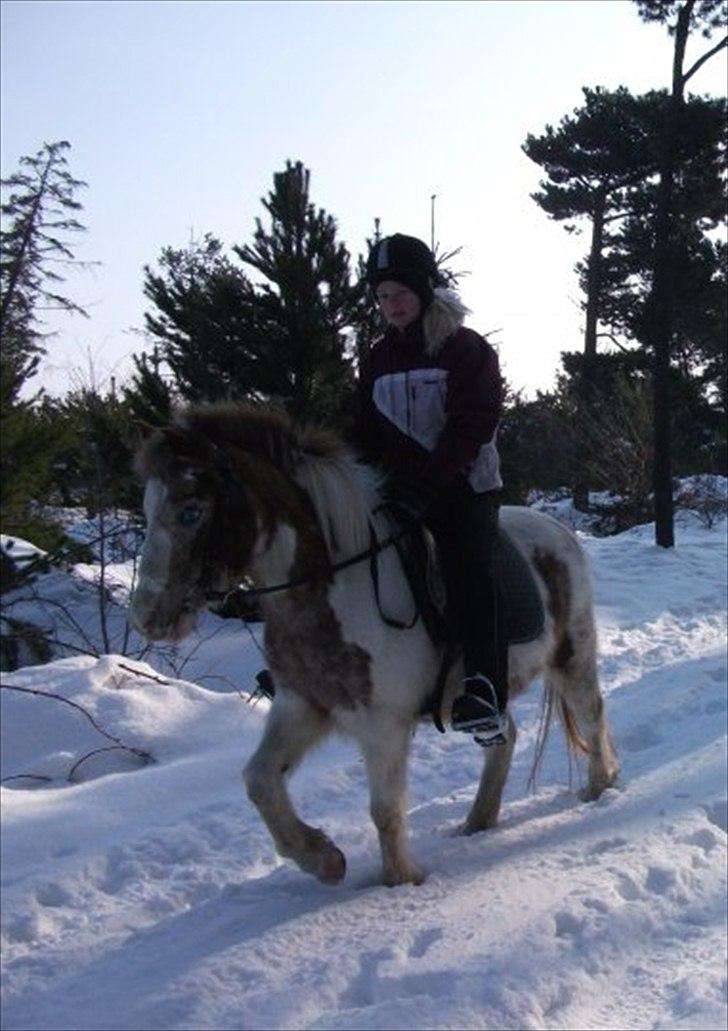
(404, 259)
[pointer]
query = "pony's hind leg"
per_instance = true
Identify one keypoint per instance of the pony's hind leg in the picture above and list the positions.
(575, 682)
(486, 805)
(293, 728)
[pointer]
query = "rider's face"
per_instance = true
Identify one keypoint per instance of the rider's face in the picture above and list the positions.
(399, 305)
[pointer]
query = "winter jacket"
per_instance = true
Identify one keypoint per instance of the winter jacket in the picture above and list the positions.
(429, 410)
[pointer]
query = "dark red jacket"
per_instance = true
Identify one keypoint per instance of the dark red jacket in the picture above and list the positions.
(432, 417)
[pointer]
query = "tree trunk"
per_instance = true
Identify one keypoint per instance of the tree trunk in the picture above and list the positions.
(586, 386)
(659, 319)
(594, 278)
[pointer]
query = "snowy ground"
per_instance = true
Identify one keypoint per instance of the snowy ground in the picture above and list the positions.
(149, 896)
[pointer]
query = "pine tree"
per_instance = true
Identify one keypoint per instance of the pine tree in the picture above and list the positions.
(38, 217)
(681, 17)
(307, 304)
(594, 162)
(201, 324)
(283, 340)
(149, 395)
(603, 165)
(38, 221)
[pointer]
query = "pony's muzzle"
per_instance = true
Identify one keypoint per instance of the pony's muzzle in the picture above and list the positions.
(150, 619)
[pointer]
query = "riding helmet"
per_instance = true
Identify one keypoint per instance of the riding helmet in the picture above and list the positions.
(406, 260)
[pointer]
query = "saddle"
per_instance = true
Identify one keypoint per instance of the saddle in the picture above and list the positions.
(519, 594)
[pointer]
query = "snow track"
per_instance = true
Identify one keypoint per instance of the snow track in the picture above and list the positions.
(152, 898)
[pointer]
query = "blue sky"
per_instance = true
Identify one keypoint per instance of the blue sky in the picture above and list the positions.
(179, 114)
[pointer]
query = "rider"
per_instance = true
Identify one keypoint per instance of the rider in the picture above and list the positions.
(430, 402)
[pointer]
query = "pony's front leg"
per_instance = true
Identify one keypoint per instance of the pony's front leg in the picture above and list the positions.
(386, 750)
(293, 727)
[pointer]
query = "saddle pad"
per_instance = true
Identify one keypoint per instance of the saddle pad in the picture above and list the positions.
(524, 613)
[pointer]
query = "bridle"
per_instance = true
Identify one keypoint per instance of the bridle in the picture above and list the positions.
(371, 553)
(238, 594)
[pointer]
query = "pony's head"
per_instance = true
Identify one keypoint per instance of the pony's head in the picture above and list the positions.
(221, 481)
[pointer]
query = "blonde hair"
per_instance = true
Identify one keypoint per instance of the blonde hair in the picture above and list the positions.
(442, 317)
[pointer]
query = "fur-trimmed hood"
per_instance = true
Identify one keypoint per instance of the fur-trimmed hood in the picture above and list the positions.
(443, 316)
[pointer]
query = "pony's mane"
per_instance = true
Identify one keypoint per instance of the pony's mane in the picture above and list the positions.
(342, 491)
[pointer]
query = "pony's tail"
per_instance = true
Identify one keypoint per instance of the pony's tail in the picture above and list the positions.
(552, 700)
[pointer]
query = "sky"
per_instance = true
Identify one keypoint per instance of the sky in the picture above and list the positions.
(179, 114)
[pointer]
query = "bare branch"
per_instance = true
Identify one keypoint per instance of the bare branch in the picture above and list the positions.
(98, 751)
(706, 57)
(59, 698)
(140, 673)
(27, 776)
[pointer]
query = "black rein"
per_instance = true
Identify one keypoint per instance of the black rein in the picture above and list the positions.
(370, 553)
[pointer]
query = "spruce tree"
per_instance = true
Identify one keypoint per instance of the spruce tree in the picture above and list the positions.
(149, 395)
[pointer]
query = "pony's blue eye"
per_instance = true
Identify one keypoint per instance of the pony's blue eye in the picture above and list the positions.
(189, 515)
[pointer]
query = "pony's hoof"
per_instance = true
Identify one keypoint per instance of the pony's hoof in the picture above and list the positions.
(332, 866)
(406, 873)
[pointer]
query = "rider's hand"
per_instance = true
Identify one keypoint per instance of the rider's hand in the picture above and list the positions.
(410, 500)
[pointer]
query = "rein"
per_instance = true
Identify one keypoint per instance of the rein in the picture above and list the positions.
(370, 553)
(433, 704)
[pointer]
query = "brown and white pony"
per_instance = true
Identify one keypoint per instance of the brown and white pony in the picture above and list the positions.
(234, 492)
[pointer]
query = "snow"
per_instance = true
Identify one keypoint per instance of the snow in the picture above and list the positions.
(145, 895)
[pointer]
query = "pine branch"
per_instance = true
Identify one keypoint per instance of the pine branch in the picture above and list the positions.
(706, 57)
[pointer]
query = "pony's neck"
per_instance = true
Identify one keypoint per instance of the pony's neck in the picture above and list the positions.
(343, 494)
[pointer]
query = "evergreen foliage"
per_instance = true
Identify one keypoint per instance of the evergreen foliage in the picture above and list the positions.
(281, 338)
(201, 324)
(94, 469)
(149, 396)
(38, 216)
(659, 317)
(307, 303)
(607, 164)
(31, 444)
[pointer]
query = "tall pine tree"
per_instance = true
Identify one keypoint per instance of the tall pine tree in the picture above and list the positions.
(38, 217)
(281, 338)
(681, 18)
(307, 303)
(200, 326)
(38, 224)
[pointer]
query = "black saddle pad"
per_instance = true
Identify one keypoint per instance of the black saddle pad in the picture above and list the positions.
(520, 595)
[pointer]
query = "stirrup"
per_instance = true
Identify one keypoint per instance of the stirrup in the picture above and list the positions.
(475, 712)
(498, 738)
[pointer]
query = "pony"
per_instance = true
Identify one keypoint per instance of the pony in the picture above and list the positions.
(239, 493)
